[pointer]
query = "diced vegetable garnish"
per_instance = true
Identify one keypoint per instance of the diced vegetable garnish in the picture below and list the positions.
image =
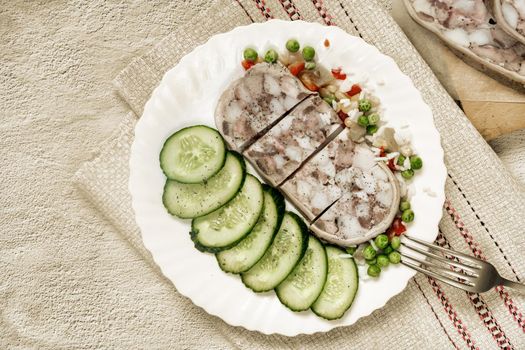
(394, 257)
(365, 105)
(296, 68)
(371, 129)
(382, 260)
(351, 250)
(397, 228)
(354, 90)
(247, 64)
(338, 74)
(310, 65)
(250, 55)
(373, 119)
(271, 56)
(401, 160)
(389, 249)
(381, 241)
(416, 162)
(292, 45)
(408, 215)
(407, 174)
(308, 53)
(373, 271)
(369, 252)
(362, 120)
(391, 165)
(343, 116)
(395, 242)
(404, 205)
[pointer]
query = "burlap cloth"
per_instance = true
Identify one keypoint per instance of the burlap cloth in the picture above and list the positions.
(483, 214)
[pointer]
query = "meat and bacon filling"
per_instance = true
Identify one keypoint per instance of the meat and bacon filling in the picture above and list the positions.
(256, 101)
(314, 186)
(283, 149)
(367, 196)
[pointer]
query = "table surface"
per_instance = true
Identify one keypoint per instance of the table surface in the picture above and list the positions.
(69, 279)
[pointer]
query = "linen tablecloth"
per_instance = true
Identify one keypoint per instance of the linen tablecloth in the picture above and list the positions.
(483, 213)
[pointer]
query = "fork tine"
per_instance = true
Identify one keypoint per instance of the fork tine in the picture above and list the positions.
(465, 257)
(468, 268)
(469, 279)
(434, 275)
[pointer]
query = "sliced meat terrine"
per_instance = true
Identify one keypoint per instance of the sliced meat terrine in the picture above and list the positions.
(256, 101)
(365, 192)
(283, 149)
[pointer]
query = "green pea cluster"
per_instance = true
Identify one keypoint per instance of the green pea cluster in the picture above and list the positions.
(271, 56)
(368, 120)
(416, 163)
(387, 253)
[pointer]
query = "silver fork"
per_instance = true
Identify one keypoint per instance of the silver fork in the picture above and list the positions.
(456, 269)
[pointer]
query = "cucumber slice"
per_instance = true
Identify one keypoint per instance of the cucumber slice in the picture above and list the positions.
(193, 200)
(302, 287)
(284, 253)
(340, 288)
(226, 226)
(247, 252)
(193, 154)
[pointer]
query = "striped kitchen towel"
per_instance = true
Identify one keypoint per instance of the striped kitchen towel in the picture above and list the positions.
(483, 215)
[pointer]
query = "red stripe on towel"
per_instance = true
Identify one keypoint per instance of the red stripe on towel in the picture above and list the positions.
(319, 6)
(261, 5)
(436, 315)
(290, 9)
(452, 314)
(482, 308)
(474, 247)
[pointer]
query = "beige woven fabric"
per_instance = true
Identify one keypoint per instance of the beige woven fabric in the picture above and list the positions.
(476, 218)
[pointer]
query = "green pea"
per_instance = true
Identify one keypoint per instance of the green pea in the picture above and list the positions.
(351, 250)
(401, 160)
(416, 162)
(371, 129)
(308, 53)
(250, 55)
(404, 205)
(408, 215)
(292, 45)
(373, 118)
(382, 260)
(395, 242)
(271, 56)
(371, 261)
(394, 257)
(363, 121)
(388, 250)
(369, 252)
(329, 99)
(364, 105)
(310, 65)
(407, 174)
(381, 241)
(373, 271)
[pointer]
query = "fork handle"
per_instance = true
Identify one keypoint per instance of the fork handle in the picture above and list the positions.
(514, 285)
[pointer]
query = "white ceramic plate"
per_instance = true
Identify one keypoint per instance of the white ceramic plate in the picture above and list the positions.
(187, 95)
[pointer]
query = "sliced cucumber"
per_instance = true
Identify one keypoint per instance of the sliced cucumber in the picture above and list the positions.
(193, 154)
(340, 288)
(302, 287)
(193, 200)
(247, 252)
(284, 253)
(226, 226)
